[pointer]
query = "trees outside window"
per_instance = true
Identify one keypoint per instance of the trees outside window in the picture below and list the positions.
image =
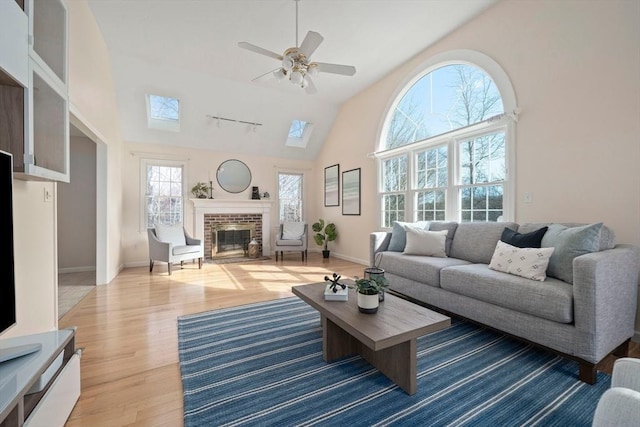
(444, 149)
(163, 200)
(290, 199)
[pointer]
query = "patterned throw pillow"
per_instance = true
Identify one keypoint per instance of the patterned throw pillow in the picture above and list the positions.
(530, 263)
(399, 235)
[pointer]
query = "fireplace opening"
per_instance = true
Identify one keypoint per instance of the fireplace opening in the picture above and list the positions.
(231, 239)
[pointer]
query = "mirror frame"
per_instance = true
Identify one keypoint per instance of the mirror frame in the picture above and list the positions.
(233, 184)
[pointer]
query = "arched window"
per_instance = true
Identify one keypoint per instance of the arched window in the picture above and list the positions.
(446, 144)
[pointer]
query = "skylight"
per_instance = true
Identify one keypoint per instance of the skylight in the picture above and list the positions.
(163, 113)
(299, 134)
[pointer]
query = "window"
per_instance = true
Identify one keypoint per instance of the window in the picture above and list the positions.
(445, 145)
(163, 113)
(163, 192)
(290, 197)
(299, 134)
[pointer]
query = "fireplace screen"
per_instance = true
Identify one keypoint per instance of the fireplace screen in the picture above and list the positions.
(231, 239)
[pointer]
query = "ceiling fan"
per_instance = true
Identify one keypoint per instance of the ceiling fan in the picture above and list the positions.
(296, 64)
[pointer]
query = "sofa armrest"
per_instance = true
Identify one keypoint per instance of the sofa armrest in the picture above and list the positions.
(159, 251)
(605, 287)
(378, 242)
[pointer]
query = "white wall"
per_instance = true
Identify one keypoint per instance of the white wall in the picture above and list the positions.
(77, 210)
(91, 93)
(201, 165)
(574, 67)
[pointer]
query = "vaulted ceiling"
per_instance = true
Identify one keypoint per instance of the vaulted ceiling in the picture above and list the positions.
(188, 49)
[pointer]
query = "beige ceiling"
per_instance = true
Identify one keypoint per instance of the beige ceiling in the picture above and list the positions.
(189, 49)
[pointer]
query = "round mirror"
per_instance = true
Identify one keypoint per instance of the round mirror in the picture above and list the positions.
(233, 176)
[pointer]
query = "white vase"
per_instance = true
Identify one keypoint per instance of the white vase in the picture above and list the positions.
(368, 303)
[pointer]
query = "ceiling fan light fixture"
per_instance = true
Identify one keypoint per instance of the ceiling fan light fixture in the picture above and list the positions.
(279, 74)
(312, 69)
(287, 63)
(296, 77)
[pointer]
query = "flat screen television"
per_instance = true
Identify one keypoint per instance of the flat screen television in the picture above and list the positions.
(7, 264)
(7, 267)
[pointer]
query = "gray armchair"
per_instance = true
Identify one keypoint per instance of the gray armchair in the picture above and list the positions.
(292, 237)
(173, 244)
(620, 405)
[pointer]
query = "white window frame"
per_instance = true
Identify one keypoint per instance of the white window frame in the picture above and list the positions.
(144, 164)
(505, 122)
(303, 192)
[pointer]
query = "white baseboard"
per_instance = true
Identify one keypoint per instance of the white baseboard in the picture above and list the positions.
(77, 269)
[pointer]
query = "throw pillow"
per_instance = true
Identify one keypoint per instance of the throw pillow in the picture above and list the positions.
(570, 242)
(425, 242)
(530, 263)
(523, 240)
(292, 230)
(399, 236)
(173, 234)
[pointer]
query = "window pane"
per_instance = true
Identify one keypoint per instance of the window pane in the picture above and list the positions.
(164, 199)
(393, 209)
(290, 197)
(481, 203)
(394, 174)
(448, 98)
(482, 159)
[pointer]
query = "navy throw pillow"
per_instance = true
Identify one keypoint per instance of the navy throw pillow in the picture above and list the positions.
(523, 240)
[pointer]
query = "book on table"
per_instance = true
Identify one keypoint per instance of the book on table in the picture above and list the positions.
(339, 295)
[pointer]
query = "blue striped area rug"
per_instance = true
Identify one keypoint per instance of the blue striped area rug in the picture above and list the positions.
(261, 365)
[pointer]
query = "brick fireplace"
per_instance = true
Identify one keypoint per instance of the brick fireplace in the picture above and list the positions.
(229, 234)
(212, 214)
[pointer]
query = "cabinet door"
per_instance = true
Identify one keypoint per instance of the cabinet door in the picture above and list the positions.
(48, 30)
(13, 43)
(47, 133)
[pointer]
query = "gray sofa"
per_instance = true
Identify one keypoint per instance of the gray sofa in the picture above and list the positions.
(585, 320)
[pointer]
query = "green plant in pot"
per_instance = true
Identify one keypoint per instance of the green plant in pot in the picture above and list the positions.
(200, 190)
(324, 234)
(367, 292)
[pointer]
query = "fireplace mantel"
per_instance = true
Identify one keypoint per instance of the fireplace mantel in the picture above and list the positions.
(233, 206)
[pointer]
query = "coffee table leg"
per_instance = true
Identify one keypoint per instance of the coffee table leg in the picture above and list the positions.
(398, 363)
(336, 343)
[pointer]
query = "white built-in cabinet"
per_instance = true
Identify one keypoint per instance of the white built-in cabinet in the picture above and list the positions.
(34, 125)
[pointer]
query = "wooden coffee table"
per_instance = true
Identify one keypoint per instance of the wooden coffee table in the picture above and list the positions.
(386, 339)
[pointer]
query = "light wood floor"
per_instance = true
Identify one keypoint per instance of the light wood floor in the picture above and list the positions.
(127, 329)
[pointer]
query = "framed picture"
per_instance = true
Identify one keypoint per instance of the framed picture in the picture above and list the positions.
(332, 185)
(351, 192)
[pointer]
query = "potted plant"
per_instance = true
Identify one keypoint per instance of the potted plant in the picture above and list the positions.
(324, 234)
(367, 290)
(200, 190)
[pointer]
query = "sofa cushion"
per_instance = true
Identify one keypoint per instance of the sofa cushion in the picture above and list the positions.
(293, 230)
(425, 242)
(530, 263)
(551, 299)
(399, 235)
(451, 228)
(186, 249)
(422, 269)
(173, 234)
(523, 240)
(607, 235)
(569, 243)
(476, 241)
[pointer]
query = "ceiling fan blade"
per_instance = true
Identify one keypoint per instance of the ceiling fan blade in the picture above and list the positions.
(310, 43)
(346, 70)
(310, 88)
(264, 74)
(258, 49)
